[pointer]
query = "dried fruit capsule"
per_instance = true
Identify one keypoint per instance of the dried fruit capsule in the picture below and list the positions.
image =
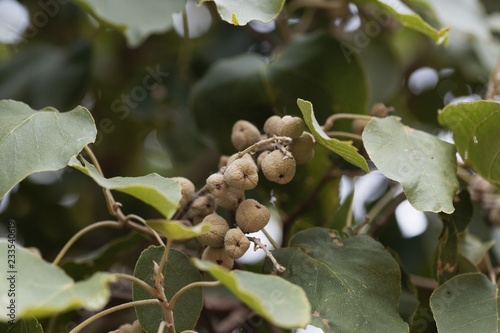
(217, 186)
(271, 125)
(242, 173)
(203, 205)
(187, 190)
(244, 134)
(261, 157)
(291, 127)
(236, 243)
(278, 168)
(251, 216)
(302, 148)
(231, 199)
(218, 256)
(218, 229)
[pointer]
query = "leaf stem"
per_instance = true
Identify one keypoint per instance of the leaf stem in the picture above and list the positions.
(345, 135)
(72, 240)
(258, 243)
(334, 117)
(142, 221)
(190, 286)
(137, 281)
(103, 313)
(270, 238)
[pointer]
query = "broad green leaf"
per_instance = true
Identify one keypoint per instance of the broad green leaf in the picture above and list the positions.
(407, 17)
(178, 273)
(344, 215)
(466, 303)
(343, 148)
(242, 12)
(475, 132)
(424, 165)
(159, 192)
(353, 284)
(29, 325)
(454, 226)
(45, 140)
(248, 87)
(102, 258)
(136, 19)
(275, 299)
(176, 230)
(43, 289)
(472, 248)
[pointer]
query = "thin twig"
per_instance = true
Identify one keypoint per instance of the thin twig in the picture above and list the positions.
(137, 281)
(258, 243)
(111, 310)
(142, 221)
(345, 135)
(263, 142)
(72, 240)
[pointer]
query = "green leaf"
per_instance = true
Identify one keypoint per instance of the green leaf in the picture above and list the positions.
(33, 141)
(353, 284)
(159, 192)
(343, 148)
(409, 19)
(466, 303)
(102, 258)
(454, 226)
(136, 19)
(424, 165)
(43, 289)
(311, 66)
(344, 215)
(242, 12)
(30, 325)
(178, 273)
(176, 230)
(475, 132)
(275, 299)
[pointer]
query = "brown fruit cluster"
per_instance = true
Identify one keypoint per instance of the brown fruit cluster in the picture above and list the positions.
(283, 144)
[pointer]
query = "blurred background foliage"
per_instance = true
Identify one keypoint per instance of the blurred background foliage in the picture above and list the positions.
(166, 103)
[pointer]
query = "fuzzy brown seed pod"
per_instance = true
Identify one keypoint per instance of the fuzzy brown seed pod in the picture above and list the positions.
(218, 256)
(261, 157)
(244, 134)
(217, 186)
(271, 125)
(231, 199)
(251, 216)
(302, 148)
(203, 205)
(242, 173)
(278, 168)
(293, 127)
(187, 190)
(236, 243)
(218, 229)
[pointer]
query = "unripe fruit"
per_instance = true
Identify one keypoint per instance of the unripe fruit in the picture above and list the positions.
(242, 173)
(271, 125)
(218, 256)
(302, 148)
(203, 205)
(278, 168)
(261, 157)
(231, 199)
(236, 243)
(187, 190)
(218, 229)
(291, 127)
(358, 125)
(251, 216)
(244, 134)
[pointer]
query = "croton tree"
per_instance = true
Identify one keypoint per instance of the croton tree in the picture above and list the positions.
(249, 166)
